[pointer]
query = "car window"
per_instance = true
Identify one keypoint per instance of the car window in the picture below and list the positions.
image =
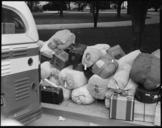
(11, 23)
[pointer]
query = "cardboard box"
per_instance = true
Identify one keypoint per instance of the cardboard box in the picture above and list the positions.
(121, 107)
(157, 119)
(144, 112)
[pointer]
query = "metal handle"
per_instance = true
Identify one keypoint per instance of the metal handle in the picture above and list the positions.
(2, 99)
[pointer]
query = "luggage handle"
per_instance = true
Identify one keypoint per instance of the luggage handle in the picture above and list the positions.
(51, 83)
(2, 99)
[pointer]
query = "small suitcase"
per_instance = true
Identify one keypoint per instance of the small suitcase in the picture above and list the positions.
(75, 53)
(148, 96)
(116, 51)
(60, 59)
(51, 95)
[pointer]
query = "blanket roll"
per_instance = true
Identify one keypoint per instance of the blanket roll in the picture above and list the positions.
(72, 78)
(48, 70)
(61, 39)
(81, 95)
(93, 53)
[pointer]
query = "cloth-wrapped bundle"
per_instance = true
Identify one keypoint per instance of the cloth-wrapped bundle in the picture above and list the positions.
(93, 53)
(48, 70)
(61, 39)
(146, 71)
(81, 95)
(105, 67)
(156, 53)
(97, 87)
(131, 87)
(121, 77)
(102, 47)
(45, 50)
(129, 58)
(72, 79)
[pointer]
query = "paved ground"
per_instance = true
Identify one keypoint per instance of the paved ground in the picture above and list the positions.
(80, 115)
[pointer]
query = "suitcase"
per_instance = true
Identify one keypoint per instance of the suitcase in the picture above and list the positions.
(60, 59)
(75, 53)
(51, 95)
(148, 96)
(116, 51)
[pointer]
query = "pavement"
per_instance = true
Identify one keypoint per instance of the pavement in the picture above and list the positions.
(69, 113)
(154, 18)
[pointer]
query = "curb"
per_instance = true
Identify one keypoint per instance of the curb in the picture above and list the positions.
(77, 112)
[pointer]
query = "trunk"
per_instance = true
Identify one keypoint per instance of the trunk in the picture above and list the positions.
(68, 4)
(96, 18)
(128, 8)
(119, 2)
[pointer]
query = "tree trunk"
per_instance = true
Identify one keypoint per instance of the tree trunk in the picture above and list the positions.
(95, 13)
(119, 2)
(61, 13)
(138, 10)
(128, 7)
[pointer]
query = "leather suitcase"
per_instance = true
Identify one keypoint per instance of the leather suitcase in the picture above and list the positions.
(148, 96)
(75, 53)
(53, 95)
(116, 51)
(60, 59)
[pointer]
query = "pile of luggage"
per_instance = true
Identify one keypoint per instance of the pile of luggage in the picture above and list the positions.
(130, 82)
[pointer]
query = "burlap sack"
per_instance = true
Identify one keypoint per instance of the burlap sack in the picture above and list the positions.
(146, 71)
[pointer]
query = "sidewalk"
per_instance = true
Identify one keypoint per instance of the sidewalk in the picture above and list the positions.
(154, 18)
(81, 115)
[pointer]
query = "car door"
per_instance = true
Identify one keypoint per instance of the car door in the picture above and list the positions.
(20, 91)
